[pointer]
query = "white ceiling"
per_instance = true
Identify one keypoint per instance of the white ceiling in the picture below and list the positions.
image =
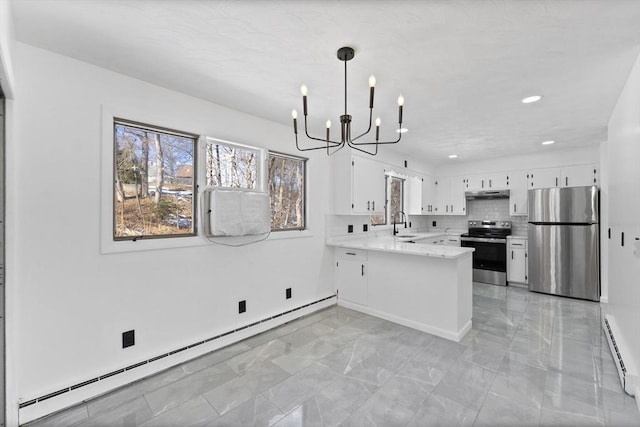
(462, 66)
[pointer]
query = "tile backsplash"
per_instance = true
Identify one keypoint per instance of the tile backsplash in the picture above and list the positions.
(498, 209)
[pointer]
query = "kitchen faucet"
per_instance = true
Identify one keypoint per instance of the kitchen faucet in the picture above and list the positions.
(395, 231)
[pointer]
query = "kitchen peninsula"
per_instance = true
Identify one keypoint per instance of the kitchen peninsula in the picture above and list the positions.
(423, 286)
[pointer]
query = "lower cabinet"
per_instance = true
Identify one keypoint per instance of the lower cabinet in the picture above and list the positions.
(351, 275)
(517, 269)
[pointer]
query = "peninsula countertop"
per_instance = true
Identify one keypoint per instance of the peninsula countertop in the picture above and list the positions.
(399, 244)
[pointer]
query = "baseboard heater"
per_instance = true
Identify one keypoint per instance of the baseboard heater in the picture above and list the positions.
(161, 356)
(628, 377)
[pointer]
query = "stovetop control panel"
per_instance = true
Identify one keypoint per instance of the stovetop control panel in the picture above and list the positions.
(490, 224)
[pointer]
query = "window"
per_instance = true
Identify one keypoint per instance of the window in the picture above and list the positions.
(154, 182)
(394, 195)
(232, 165)
(287, 192)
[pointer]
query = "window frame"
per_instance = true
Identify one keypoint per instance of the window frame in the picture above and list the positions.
(304, 193)
(194, 186)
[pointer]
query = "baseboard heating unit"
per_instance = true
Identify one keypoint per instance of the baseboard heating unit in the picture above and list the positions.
(621, 357)
(243, 332)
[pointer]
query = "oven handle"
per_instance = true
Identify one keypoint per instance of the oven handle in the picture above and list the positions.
(482, 240)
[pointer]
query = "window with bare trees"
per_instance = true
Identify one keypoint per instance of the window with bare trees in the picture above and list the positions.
(232, 165)
(154, 183)
(287, 191)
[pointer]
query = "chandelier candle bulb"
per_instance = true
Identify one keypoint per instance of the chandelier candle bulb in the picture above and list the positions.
(378, 129)
(372, 87)
(328, 128)
(294, 114)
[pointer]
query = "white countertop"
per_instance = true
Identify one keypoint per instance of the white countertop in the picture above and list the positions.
(391, 244)
(516, 236)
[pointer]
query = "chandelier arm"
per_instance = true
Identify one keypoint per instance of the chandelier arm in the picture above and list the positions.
(315, 148)
(378, 142)
(340, 147)
(306, 132)
(368, 129)
(363, 151)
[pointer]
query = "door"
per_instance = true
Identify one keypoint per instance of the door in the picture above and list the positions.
(457, 201)
(577, 176)
(544, 178)
(351, 281)
(442, 196)
(517, 265)
(564, 260)
(368, 186)
(429, 195)
(565, 205)
(518, 193)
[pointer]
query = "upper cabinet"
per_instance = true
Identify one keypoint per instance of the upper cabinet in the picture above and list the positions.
(359, 185)
(497, 181)
(429, 195)
(450, 196)
(518, 193)
(413, 195)
(567, 176)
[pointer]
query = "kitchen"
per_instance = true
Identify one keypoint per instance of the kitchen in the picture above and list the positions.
(77, 298)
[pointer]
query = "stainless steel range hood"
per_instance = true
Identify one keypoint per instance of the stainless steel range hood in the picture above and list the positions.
(486, 194)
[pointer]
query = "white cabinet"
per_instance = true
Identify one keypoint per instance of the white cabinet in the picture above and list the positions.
(579, 176)
(487, 181)
(413, 195)
(450, 196)
(518, 200)
(359, 185)
(517, 269)
(452, 240)
(429, 195)
(544, 178)
(351, 275)
(566, 176)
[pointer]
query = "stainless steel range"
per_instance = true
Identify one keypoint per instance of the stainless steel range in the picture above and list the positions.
(489, 239)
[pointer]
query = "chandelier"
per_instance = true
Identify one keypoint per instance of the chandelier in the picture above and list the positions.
(345, 54)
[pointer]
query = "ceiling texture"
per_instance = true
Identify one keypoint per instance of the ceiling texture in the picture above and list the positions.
(462, 66)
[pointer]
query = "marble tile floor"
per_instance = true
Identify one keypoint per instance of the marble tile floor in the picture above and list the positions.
(530, 360)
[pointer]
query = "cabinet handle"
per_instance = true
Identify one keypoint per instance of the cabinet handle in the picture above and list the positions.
(363, 269)
(566, 181)
(447, 206)
(556, 181)
(511, 254)
(350, 253)
(514, 207)
(374, 205)
(483, 183)
(451, 208)
(489, 183)
(516, 244)
(368, 205)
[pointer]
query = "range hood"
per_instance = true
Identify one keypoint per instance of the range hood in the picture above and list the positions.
(486, 194)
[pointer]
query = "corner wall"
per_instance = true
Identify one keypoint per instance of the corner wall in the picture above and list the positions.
(624, 215)
(71, 303)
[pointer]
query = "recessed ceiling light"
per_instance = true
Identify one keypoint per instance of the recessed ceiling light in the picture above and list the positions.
(548, 142)
(402, 130)
(453, 156)
(530, 99)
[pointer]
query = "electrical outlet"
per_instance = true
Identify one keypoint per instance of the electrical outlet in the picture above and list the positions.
(349, 228)
(365, 227)
(288, 293)
(242, 306)
(433, 223)
(128, 338)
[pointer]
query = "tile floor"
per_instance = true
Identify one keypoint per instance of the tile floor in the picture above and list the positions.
(529, 360)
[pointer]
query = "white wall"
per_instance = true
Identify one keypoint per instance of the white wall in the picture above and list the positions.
(7, 41)
(72, 303)
(624, 214)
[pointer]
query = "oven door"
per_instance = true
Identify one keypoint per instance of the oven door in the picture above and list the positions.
(490, 254)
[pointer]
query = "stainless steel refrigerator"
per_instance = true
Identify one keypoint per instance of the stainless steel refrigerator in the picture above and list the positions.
(564, 242)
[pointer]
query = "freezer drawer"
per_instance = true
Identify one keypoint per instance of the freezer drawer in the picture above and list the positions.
(565, 260)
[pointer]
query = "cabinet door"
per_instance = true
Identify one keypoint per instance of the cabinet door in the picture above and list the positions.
(498, 180)
(429, 195)
(474, 182)
(368, 186)
(578, 176)
(518, 193)
(442, 196)
(457, 201)
(544, 178)
(351, 280)
(517, 262)
(413, 195)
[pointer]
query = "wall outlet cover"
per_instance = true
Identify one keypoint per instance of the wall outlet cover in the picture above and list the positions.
(365, 227)
(128, 338)
(242, 306)
(433, 223)
(288, 293)
(349, 228)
